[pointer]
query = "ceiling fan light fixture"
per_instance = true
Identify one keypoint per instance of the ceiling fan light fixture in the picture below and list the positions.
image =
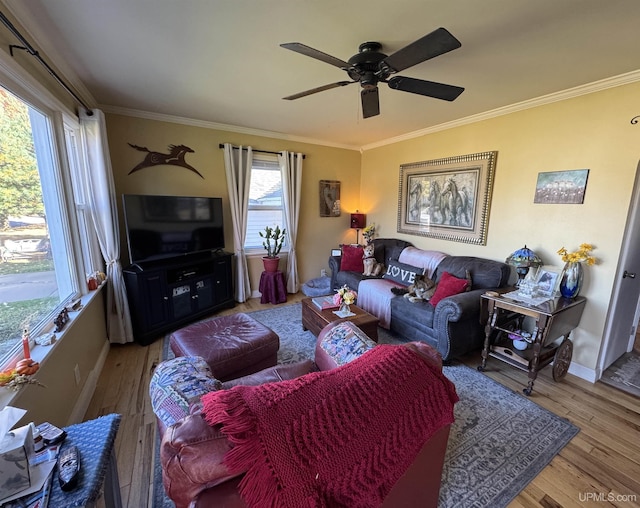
(370, 66)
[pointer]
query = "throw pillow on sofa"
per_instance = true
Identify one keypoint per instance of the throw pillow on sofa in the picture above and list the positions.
(402, 273)
(449, 286)
(351, 260)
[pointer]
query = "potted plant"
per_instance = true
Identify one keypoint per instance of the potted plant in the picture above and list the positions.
(273, 241)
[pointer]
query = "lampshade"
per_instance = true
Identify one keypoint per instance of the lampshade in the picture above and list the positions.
(358, 220)
(523, 259)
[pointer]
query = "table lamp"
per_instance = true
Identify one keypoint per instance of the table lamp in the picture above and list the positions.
(523, 259)
(358, 222)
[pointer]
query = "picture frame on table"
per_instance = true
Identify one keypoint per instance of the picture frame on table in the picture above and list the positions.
(548, 280)
(447, 199)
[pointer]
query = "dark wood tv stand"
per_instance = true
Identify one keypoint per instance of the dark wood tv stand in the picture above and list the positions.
(169, 293)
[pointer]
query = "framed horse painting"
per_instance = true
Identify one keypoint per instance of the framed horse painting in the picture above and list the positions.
(448, 199)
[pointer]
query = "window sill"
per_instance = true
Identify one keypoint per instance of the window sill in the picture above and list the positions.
(40, 354)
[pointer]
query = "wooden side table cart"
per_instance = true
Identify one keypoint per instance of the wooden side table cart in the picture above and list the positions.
(553, 322)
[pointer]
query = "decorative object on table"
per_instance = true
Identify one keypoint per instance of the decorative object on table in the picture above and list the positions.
(325, 302)
(523, 260)
(95, 280)
(14, 378)
(573, 274)
(561, 187)
(358, 222)
(25, 343)
(527, 287)
(273, 241)
(371, 265)
(368, 233)
(175, 157)
(447, 199)
(521, 339)
(547, 281)
(61, 320)
(329, 198)
(344, 297)
(46, 339)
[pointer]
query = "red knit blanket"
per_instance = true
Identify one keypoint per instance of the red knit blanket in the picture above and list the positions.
(334, 438)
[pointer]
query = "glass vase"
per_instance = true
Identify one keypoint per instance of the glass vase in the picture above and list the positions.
(344, 308)
(571, 281)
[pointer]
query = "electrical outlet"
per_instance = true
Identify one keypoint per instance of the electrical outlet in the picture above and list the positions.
(323, 273)
(76, 373)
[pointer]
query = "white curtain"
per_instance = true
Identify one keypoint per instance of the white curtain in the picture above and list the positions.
(237, 164)
(102, 202)
(291, 170)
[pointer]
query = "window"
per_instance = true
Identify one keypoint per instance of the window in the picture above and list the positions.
(266, 207)
(42, 263)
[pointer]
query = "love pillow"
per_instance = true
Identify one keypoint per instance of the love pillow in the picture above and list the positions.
(449, 286)
(402, 273)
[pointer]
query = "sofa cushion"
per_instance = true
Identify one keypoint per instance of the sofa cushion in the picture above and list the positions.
(352, 259)
(178, 383)
(402, 273)
(485, 273)
(339, 343)
(448, 286)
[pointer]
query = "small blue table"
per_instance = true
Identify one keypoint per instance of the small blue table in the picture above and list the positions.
(95, 441)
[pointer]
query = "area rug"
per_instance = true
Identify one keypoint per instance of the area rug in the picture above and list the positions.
(624, 374)
(490, 456)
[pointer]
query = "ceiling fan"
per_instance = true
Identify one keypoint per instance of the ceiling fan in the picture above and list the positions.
(370, 67)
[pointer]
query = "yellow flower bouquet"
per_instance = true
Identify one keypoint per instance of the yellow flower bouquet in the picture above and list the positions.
(583, 254)
(345, 295)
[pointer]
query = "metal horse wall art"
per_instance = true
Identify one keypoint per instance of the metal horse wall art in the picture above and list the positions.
(175, 157)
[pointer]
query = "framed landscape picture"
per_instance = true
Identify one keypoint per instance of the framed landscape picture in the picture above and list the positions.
(561, 187)
(447, 198)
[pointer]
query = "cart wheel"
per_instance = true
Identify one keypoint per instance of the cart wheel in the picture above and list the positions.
(562, 359)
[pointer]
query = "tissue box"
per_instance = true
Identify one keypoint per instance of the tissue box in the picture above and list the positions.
(15, 449)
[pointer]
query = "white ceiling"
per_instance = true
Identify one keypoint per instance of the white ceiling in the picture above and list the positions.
(219, 61)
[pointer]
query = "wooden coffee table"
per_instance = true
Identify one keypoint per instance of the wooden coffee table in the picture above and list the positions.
(315, 319)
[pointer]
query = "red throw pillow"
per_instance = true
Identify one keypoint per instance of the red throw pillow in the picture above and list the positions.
(448, 286)
(352, 259)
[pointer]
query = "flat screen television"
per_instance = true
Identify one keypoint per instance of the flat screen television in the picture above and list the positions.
(166, 226)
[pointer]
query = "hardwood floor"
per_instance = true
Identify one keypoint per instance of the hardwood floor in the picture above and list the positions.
(599, 467)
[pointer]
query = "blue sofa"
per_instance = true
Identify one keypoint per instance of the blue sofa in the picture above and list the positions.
(453, 326)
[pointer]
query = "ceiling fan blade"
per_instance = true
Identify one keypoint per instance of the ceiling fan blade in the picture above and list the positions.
(431, 45)
(428, 88)
(316, 90)
(370, 102)
(314, 53)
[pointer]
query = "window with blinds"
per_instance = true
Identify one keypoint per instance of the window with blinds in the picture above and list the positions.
(266, 206)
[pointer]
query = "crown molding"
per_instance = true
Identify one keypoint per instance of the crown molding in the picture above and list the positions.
(116, 110)
(38, 39)
(570, 93)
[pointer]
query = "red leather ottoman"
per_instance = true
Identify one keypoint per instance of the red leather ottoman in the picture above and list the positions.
(233, 346)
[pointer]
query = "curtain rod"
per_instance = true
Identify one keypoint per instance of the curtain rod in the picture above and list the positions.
(29, 49)
(221, 145)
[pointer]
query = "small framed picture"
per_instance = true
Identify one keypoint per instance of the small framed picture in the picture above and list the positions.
(548, 280)
(336, 252)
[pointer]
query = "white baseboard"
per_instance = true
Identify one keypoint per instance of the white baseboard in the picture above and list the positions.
(82, 404)
(585, 373)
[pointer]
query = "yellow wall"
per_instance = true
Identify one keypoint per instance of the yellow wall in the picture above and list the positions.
(82, 344)
(316, 235)
(588, 132)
